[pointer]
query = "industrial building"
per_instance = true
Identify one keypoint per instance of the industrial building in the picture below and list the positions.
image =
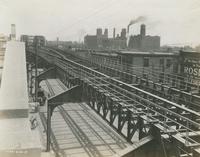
(102, 41)
(3, 40)
(190, 65)
(30, 40)
(144, 42)
(59, 43)
(90, 41)
(151, 65)
(99, 40)
(140, 42)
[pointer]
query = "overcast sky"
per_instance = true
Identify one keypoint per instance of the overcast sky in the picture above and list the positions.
(176, 21)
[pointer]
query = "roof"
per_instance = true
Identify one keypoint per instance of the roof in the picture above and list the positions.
(105, 54)
(13, 91)
(147, 53)
(189, 51)
(15, 132)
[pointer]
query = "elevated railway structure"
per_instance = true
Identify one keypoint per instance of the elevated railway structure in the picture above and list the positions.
(77, 130)
(173, 69)
(129, 109)
(157, 74)
(173, 91)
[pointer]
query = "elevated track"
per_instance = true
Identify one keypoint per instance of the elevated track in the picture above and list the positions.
(133, 108)
(77, 131)
(176, 89)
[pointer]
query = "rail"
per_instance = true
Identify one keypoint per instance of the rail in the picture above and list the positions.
(178, 96)
(139, 102)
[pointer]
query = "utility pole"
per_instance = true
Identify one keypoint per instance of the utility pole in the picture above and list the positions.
(49, 113)
(36, 66)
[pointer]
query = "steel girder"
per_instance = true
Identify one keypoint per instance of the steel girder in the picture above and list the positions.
(150, 108)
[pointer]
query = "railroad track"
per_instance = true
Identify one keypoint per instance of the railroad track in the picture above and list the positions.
(95, 132)
(171, 118)
(173, 94)
(80, 135)
(77, 130)
(77, 70)
(101, 125)
(127, 75)
(54, 143)
(43, 117)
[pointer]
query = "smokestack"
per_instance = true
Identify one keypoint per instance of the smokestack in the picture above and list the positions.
(57, 41)
(106, 33)
(138, 19)
(128, 29)
(13, 32)
(114, 33)
(99, 31)
(123, 33)
(142, 30)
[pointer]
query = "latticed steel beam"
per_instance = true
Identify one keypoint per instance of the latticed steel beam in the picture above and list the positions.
(85, 73)
(161, 89)
(146, 109)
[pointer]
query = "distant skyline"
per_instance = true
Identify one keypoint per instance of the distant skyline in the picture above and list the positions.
(176, 21)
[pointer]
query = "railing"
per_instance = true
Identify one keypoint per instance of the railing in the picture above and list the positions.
(181, 97)
(170, 117)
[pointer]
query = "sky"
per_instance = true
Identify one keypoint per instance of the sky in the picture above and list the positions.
(176, 21)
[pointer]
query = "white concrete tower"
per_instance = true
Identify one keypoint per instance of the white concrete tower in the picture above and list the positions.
(13, 32)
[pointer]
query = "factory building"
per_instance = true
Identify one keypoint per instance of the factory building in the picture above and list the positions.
(190, 65)
(40, 40)
(90, 41)
(144, 42)
(3, 41)
(30, 40)
(102, 41)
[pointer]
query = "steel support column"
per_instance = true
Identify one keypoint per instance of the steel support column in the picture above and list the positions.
(73, 94)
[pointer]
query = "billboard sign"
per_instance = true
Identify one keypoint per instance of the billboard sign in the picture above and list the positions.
(191, 68)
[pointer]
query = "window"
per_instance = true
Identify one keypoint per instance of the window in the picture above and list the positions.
(161, 61)
(146, 62)
(169, 62)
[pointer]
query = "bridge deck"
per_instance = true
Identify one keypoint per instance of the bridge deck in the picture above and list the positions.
(79, 131)
(100, 89)
(16, 137)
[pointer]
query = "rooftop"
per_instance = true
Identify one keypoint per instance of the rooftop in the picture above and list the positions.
(148, 53)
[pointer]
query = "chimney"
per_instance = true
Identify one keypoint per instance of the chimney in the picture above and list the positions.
(106, 33)
(13, 32)
(123, 33)
(99, 31)
(128, 29)
(57, 41)
(113, 33)
(142, 30)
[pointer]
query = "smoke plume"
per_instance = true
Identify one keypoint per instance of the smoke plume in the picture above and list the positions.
(138, 19)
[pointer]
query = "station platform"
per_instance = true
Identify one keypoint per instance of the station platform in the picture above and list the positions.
(77, 130)
(16, 137)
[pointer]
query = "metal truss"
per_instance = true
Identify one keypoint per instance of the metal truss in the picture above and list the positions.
(126, 74)
(129, 109)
